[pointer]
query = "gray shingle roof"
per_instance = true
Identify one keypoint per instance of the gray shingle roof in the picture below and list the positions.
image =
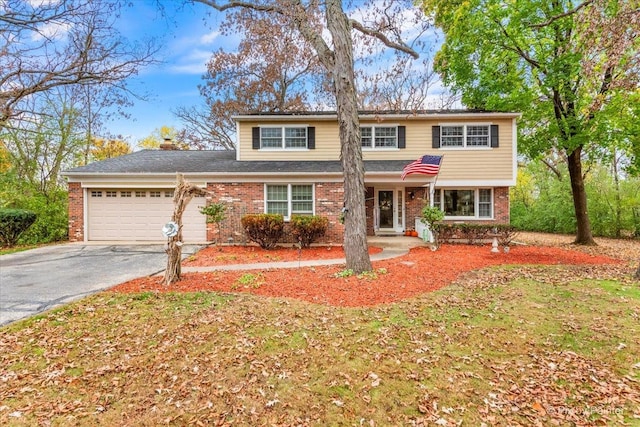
(161, 161)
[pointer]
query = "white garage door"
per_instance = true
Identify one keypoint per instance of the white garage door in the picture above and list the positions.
(139, 214)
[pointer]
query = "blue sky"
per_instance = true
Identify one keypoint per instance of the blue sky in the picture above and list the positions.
(188, 36)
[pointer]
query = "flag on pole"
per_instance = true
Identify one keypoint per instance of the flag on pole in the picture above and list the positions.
(426, 165)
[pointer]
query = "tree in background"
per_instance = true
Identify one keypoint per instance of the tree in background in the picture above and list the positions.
(51, 44)
(337, 58)
(542, 202)
(275, 70)
(561, 63)
(272, 70)
(103, 148)
(159, 136)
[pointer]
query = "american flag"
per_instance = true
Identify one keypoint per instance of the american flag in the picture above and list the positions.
(426, 165)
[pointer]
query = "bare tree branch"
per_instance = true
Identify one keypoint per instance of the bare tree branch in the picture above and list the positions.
(561, 15)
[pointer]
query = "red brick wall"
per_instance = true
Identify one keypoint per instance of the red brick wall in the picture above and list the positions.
(76, 212)
(248, 198)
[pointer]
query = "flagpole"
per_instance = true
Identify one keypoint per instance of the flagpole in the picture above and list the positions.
(432, 186)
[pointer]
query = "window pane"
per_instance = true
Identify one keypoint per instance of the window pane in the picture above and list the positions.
(295, 137)
(277, 193)
(459, 202)
(271, 137)
(484, 203)
(302, 199)
(451, 136)
(365, 133)
(277, 208)
(478, 136)
(385, 137)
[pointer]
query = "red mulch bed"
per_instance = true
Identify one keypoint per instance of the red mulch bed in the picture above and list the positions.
(225, 255)
(418, 272)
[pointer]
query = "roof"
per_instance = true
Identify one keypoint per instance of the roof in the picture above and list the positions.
(376, 115)
(208, 161)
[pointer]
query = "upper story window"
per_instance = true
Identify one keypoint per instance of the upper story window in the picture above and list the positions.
(284, 137)
(379, 136)
(465, 136)
(373, 137)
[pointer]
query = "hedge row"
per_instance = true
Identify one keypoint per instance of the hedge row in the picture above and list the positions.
(475, 233)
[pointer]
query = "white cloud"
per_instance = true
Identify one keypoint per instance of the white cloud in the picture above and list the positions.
(52, 31)
(191, 62)
(209, 38)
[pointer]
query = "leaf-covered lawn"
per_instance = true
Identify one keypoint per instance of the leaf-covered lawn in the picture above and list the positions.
(503, 346)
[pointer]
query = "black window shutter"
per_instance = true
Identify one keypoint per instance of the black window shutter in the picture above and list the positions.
(402, 137)
(494, 136)
(311, 138)
(435, 136)
(255, 135)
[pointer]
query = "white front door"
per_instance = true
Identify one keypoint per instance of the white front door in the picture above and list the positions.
(390, 210)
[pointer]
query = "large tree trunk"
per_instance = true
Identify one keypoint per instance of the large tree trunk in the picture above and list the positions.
(583, 232)
(355, 232)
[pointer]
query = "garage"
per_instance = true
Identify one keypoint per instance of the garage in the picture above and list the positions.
(117, 214)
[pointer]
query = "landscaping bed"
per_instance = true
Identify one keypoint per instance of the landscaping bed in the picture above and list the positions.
(420, 271)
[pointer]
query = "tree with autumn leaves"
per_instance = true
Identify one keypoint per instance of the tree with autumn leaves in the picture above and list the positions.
(564, 64)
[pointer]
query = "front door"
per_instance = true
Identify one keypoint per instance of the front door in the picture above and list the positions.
(390, 216)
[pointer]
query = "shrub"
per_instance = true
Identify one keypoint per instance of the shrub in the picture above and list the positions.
(263, 229)
(215, 212)
(14, 222)
(307, 229)
(476, 233)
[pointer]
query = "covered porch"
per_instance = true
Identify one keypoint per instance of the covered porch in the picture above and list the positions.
(394, 208)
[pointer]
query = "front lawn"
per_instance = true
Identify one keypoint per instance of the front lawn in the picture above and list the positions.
(506, 345)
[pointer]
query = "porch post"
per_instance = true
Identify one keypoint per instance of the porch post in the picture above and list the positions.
(432, 192)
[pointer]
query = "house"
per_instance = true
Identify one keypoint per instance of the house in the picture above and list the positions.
(289, 164)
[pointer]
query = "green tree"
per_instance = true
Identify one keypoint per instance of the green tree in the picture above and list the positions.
(562, 63)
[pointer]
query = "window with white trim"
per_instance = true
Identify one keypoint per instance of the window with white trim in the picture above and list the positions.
(465, 203)
(379, 136)
(465, 136)
(289, 199)
(283, 137)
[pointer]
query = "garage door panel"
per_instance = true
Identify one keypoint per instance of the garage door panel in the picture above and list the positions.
(133, 215)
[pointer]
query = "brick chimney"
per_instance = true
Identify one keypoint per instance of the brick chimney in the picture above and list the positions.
(168, 145)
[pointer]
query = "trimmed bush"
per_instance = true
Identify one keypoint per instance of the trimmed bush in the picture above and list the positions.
(14, 222)
(307, 229)
(264, 229)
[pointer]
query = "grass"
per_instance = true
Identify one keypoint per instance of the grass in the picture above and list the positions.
(500, 352)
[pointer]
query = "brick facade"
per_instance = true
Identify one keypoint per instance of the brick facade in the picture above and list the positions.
(248, 198)
(76, 212)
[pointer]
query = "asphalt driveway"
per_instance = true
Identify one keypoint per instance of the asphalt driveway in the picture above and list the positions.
(39, 279)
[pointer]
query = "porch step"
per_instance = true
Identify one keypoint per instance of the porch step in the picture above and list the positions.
(395, 241)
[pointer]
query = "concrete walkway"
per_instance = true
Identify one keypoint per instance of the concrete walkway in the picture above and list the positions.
(392, 247)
